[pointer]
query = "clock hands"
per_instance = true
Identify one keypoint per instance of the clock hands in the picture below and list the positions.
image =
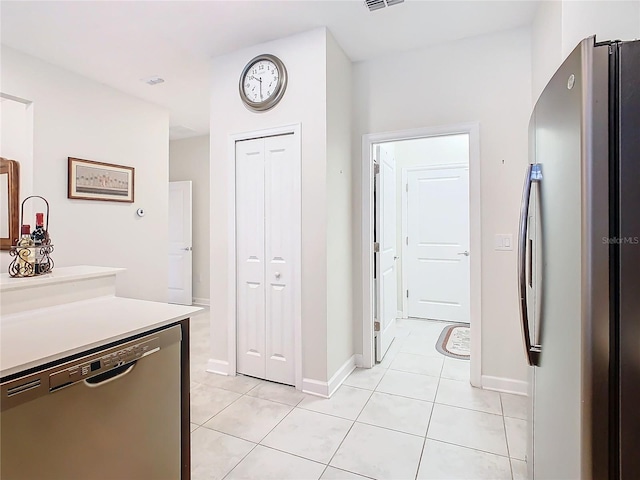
(259, 80)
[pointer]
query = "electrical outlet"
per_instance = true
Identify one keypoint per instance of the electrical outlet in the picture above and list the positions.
(503, 242)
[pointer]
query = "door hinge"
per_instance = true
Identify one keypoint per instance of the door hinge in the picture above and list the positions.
(376, 326)
(376, 168)
(406, 187)
(407, 240)
(376, 247)
(407, 293)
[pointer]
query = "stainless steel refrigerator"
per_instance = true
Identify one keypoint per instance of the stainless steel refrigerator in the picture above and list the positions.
(579, 267)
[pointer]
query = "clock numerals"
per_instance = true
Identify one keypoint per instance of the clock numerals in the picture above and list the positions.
(260, 81)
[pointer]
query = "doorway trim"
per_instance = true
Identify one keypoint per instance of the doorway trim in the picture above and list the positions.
(475, 235)
(294, 129)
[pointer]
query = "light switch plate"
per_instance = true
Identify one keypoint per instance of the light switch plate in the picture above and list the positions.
(503, 242)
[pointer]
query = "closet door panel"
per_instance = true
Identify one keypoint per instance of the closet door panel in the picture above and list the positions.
(282, 220)
(250, 255)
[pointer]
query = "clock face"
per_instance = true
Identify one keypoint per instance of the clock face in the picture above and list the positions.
(263, 82)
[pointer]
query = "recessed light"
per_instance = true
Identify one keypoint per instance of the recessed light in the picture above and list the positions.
(155, 80)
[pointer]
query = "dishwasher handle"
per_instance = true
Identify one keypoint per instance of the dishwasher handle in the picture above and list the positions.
(110, 376)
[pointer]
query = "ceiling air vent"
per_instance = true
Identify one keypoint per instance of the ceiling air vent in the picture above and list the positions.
(378, 4)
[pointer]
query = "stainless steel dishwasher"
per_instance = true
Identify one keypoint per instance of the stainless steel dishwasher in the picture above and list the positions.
(113, 414)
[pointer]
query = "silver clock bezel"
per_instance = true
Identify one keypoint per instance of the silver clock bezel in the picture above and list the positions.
(279, 90)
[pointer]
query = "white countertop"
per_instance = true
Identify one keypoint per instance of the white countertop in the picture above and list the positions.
(57, 275)
(35, 337)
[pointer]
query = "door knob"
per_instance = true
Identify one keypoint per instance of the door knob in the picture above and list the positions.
(465, 253)
(395, 258)
(187, 249)
(277, 274)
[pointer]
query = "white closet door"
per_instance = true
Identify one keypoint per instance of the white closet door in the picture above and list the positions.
(250, 257)
(282, 222)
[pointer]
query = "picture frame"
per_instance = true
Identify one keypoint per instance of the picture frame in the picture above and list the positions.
(9, 202)
(90, 180)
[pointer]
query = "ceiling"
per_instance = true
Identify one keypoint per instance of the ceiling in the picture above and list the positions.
(118, 43)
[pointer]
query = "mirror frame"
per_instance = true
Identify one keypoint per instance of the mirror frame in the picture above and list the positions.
(12, 169)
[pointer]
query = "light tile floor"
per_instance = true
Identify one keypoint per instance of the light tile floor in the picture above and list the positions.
(414, 416)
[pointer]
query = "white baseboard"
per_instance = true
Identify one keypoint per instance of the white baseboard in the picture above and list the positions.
(358, 359)
(399, 314)
(505, 385)
(315, 387)
(220, 367)
(341, 375)
(201, 301)
(326, 389)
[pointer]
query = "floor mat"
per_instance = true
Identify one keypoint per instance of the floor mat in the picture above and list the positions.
(455, 341)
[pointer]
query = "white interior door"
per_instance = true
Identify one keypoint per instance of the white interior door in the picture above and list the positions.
(267, 237)
(386, 276)
(282, 175)
(180, 246)
(437, 253)
(250, 264)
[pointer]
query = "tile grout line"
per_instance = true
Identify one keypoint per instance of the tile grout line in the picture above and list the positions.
(294, 455)
(255, 444)
(506, 438)
(424, 443)
(348, 432)
(468, 448)
(349, 471)
(219, 412)
(340, 445)
(240, 461)
(468, 409)
(393, 429)
(246, 394)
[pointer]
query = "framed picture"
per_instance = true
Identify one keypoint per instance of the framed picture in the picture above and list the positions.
(90, 180)
(9, 202)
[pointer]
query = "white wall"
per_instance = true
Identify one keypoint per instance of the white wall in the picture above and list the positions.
(189, 160)
(16, 143)
(77, 117)
(304, 102)
(423, 152)
(339, 212)
(559, 26)
(485, 79)
(546, 45)
(608, 20)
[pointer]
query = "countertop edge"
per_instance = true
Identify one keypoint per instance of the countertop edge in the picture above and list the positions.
(8, 284)
(122, 333)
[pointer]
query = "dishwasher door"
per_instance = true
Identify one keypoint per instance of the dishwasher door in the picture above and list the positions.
(113, 414)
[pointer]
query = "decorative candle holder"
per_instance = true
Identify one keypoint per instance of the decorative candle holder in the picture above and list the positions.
(31, 260)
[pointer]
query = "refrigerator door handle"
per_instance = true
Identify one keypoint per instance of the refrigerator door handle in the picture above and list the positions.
(534, 174)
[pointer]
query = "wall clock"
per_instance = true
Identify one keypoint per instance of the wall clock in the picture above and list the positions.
(263, 82)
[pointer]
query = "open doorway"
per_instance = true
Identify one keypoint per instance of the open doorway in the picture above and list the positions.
(422, 218)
